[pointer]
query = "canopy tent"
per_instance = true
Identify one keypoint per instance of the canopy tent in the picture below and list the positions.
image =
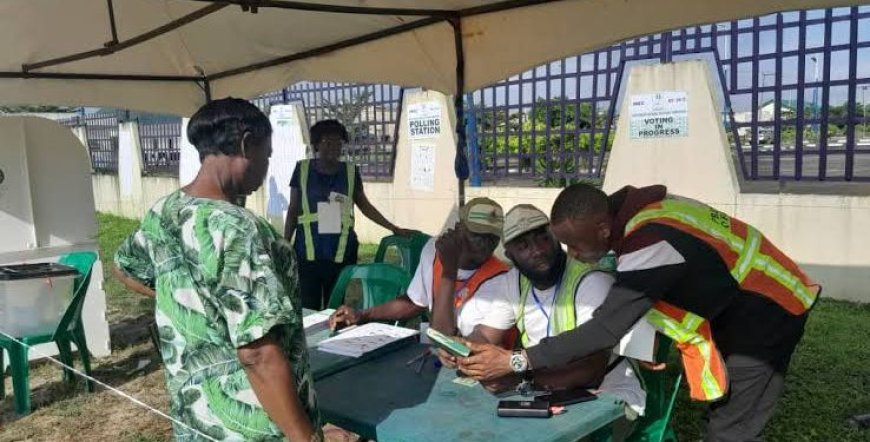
(170, 55)
(174, 55)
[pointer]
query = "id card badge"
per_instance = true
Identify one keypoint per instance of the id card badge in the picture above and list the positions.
(328, 218)
(335, 197)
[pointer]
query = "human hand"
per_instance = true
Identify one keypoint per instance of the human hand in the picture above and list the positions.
(487, 362)
(653, 366)
(344, 316)
(449, 247)
(447, 359)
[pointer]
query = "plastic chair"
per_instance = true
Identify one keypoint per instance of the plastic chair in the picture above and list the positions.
(409, 248)
(380, 283)
(69, 330)
(654, 425)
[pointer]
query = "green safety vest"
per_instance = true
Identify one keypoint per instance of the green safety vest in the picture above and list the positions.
(563, 317)
(307, 217)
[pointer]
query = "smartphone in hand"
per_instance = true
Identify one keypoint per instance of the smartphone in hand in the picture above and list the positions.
(447, 343)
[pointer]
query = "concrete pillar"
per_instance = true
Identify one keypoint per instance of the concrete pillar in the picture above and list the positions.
(130, 170)
(697, 164)
(429, 209)
(289, 144)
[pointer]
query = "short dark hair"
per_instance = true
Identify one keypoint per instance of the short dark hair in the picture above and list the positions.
(218, 127)
(326, 127)
(578, 200)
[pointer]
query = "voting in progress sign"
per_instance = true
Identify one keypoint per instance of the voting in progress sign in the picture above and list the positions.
(659, 115)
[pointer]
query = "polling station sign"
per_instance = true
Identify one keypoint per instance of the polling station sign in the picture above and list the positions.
(659, 115)
(424, 120)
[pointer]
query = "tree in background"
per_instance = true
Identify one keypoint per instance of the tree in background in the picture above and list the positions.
(349, 112)
(552, 140)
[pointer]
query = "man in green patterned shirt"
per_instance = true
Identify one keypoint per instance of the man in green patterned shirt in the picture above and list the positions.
(227, 307)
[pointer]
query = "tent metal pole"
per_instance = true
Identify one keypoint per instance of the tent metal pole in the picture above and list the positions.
(460, 165)
(112, 25)
(119, 46)
(336, 9)
(91, 76)
(206, 89)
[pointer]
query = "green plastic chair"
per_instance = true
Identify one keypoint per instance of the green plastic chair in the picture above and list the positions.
(661, 395)
(408, 247)
(380, 283)
(69, 330)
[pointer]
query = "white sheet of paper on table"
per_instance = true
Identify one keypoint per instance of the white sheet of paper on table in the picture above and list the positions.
(639, 343)
(317, 322)
(329, 218)
(363, 339)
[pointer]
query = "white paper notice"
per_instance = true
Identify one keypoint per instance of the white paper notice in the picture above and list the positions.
(329, 218)
(660, 115)
(639, 343)
(424, 120)
(423, 167)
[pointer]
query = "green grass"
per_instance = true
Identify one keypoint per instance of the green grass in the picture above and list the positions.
(121, 303)
(828, 381)
(367, 253)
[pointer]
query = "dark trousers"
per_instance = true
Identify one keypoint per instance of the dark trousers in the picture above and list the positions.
(755, 386)
(316, 280)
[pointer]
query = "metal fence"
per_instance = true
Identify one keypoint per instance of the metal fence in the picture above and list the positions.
(71, 122)
(102, 132)
(160, 141)
(794, 93)
(370, 113)
(548, 123)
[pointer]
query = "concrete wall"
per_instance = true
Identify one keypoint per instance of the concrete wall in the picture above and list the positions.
(823, 232)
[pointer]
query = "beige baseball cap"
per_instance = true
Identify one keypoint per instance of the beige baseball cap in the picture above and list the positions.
(482, 215)
(523, 218)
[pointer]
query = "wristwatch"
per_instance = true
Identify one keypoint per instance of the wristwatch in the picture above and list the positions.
(519, 364)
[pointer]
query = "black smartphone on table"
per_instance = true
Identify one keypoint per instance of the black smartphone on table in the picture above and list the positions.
(568, 397)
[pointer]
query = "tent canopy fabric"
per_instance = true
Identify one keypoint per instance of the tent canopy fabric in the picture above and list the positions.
(171, 55)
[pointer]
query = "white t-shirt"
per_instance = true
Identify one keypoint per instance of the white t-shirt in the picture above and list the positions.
(593, 289)
(488, 306)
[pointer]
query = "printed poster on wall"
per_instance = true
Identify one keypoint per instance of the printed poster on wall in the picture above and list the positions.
(424, 120)
(659, 115)
(423, 167)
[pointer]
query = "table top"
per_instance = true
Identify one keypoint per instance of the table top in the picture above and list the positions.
(387, 400)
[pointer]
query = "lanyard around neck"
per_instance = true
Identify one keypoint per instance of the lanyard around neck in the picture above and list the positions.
(541, 305)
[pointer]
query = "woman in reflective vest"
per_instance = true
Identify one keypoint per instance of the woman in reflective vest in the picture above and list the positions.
(323, 194)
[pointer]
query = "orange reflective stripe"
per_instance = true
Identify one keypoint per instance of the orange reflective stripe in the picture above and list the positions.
(490, 269)
(753, 261)
(716, 363)
(775, 291)
(704, 366)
